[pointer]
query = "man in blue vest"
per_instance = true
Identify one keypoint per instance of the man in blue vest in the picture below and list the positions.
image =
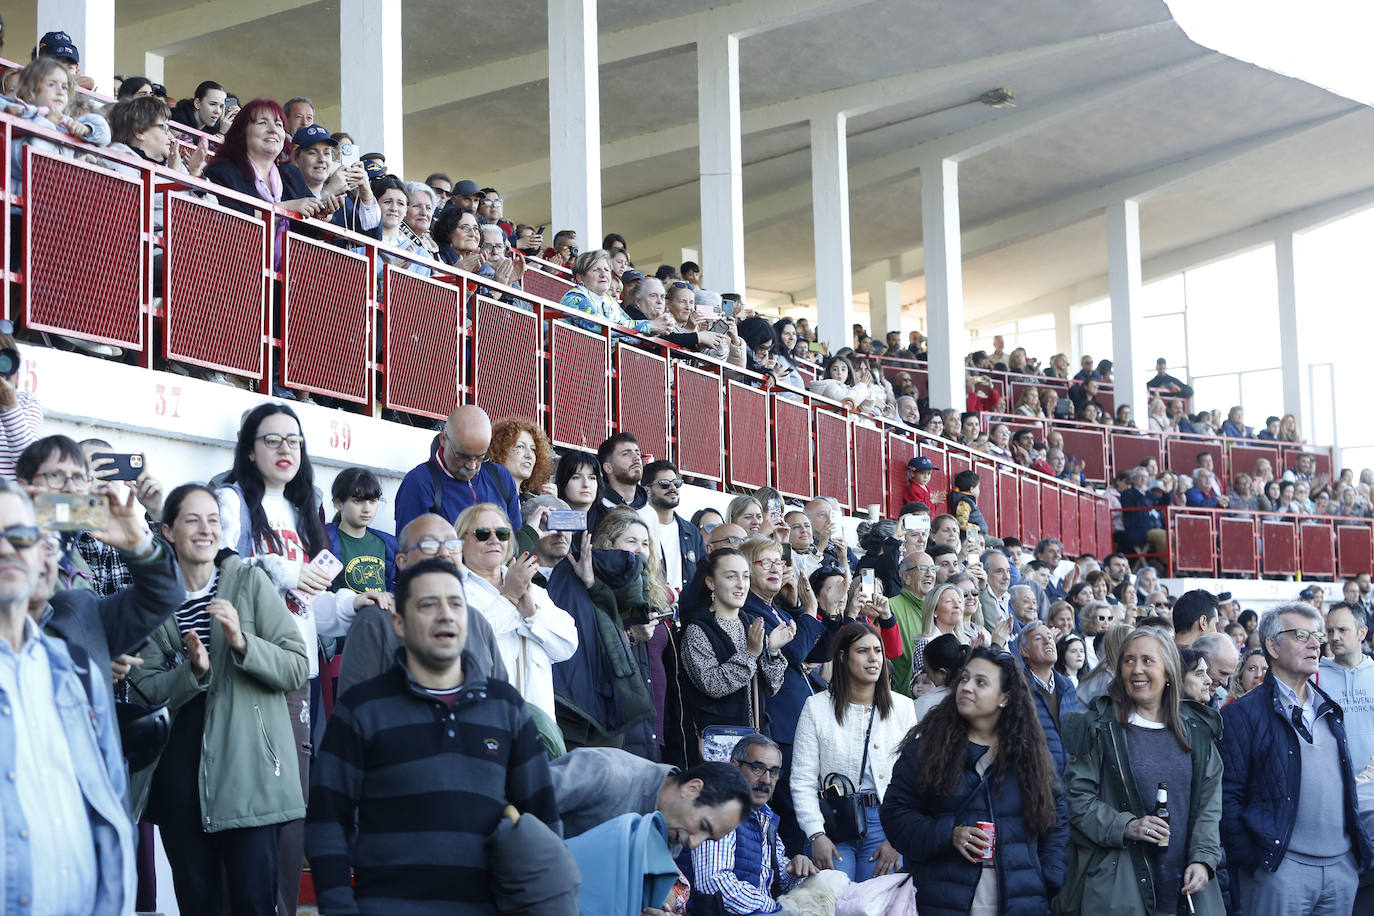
(748, 868)
(457, 474)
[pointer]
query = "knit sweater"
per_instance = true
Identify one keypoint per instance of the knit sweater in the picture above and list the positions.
(425, 784)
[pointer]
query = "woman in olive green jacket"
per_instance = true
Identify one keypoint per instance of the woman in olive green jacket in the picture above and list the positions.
(223, 663)
(1116, 863)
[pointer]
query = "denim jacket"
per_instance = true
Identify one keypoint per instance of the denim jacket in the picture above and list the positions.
(89, 723)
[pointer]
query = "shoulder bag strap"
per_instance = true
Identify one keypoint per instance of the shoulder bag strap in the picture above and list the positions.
(863, 765)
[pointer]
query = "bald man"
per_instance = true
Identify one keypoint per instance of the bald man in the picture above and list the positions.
(458, 474)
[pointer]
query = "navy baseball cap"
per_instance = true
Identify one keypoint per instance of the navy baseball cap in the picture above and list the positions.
(920, 463)
(311, 134)
(58, 44)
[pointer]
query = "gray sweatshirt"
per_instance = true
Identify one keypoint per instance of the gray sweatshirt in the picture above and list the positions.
(596, 784)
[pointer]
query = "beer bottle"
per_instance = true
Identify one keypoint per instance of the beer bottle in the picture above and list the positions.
(1162, 810)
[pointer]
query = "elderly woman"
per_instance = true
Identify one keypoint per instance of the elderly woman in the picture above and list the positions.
(592, 271)
(1140, 736)
(1244, 497)
(522, 447)
(1028, 402)
(459, 240)
(420, 206)
(1160, 422)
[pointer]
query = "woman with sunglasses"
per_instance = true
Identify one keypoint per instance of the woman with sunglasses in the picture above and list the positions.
(532, 632)
(854, 728)
(980, 757)
(224, 664)
(1142, 735)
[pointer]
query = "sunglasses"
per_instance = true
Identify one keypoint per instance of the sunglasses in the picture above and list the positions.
(20, 536)
(674, 482)
(484, 534)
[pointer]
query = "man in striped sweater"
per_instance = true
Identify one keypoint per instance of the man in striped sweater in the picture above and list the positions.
(422, 759)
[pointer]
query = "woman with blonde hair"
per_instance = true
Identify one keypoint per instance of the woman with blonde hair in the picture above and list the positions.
(1028, 403)
(747, 512)
(522, 447)
(1288, 429)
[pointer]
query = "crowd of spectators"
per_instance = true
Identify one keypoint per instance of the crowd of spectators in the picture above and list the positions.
(228, 665)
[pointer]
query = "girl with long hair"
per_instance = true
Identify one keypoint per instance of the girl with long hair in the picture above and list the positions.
(853, 729)
(1141, 736)
(578, 479)
(980, 756)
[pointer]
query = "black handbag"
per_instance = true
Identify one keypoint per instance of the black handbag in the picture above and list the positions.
(842, 806)
(144, 729)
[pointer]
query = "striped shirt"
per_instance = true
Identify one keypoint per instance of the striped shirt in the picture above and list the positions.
(195, 613)
(714, 864)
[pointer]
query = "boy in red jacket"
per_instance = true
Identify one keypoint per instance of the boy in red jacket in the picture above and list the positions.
(918, 472)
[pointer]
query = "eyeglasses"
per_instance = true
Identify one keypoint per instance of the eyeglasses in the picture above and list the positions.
(1304, 635)
(759, 769)
(490, 248)
(1159, 604)
(491, 200)
(779, 563)
(921, 568)
(440, 192)
(464, 227)
(59, 479)
(674, 482)
(484, 534)
(274, 441)
(465, 458)
(733, 541)
(431, 547)
(20, 537)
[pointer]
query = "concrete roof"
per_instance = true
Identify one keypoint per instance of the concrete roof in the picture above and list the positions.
(1112, 100)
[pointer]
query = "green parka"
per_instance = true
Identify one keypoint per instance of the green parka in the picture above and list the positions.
(1107, 872)
(249, 774)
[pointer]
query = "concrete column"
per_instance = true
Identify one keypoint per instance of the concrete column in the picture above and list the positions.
(1130, 366)
(154, 66)
(944, 270)
(91, 25)
(1063, 333)
(722, 189)
(370, 82)
(575, 120)
(885, 309)
(693, 255)
(1290, 350)
(830, 213)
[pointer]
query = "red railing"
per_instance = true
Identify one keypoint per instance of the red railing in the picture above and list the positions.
(345, 317)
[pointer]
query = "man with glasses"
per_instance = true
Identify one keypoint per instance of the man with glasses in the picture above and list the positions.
(370, 648)
(458, 474)
(918, 578)
(491, 209)
(725, 535)
(749, 868)
(679, 539)
(1289, 818)
(441, 185)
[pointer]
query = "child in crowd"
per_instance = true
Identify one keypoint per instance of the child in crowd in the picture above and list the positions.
(963, 501)
(368, 555)
(918, 474)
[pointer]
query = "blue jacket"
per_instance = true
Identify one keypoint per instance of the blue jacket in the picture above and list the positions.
(388, 543)
(1261, 783)
(1139, 522)
(1200, 500)
(1030, 869)
(1068, 705)
(811, 644)
(88, 723)
(493, 484)
(625, 865)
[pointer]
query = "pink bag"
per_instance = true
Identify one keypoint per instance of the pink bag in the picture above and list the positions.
(890, 895)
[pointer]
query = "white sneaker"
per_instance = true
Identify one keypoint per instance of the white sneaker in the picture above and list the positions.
(92, 348)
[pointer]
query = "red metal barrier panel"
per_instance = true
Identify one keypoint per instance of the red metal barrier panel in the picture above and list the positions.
(1088, 527)
(1193, 544)
(1238, 543)
(1318, 543)
(507, 361)
(326, 320)
(746, 432)
(1068, 523)
(1008, 505)
(1322, 458)
(939, 480)
(832, 457)
(1183, 454)
(579, 387)
(900, 450)
(1030, 512)
(1089, 446)
(545, 286)
(1354, 549)
(641, 397)
(1128, 450)
(870, 482)
(987, 495)
(1243, 458)
(1279, 543)
(1103, 515)
(1049, 512)
(792, 448)
(424, 351)
(214, 318)
(700, 443)
(83, 261)
(1106, 396)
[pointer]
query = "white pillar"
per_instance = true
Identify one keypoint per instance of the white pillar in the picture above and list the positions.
(154, 67)
(944, 269)
(370, 80)
(1063, 333)
(693, 255)
(91, 25)
(1290, 351)
(722, 189)
(830, 213)
(575, 120)
(885, 309)
(1129, 364)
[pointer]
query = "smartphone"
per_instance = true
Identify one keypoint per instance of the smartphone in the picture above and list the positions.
(566, 520)
(867, 580)
(231, 101)
(815, 347)
(540, 230)
(125, 465)
(326, 563)
(71, 512)
(348, 154)
(835, 518)
(915, 522)
(775, 509)
(787, 554)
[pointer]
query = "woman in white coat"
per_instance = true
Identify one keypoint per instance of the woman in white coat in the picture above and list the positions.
(854, 729)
